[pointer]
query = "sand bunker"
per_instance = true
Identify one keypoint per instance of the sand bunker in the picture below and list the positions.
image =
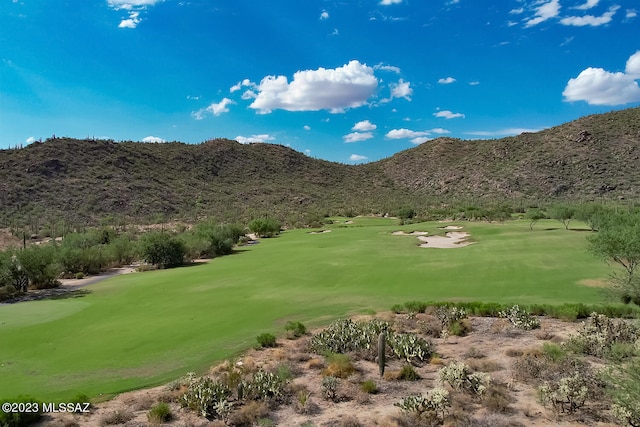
(451, 227)
(413, 233)
(450, 240)
(320, 232)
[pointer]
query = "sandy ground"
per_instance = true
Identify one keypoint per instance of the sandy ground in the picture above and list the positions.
(490, 346)
(413, 233)
(453, 239)
(320, 232)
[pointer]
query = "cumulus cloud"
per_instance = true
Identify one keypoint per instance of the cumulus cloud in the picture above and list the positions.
(30, 140)
(216, 108)
(631, 13)
(405, 134)
(594, 21)
(446, 81)
(633, 65)
(440, 130)
(153, 139)
(357, 136)
(446, 114)
(324, 15)
(133, 9)
(244, 83)
(336, 89)
(254, 138)
(307, 127)
(357, 158)
(544, 12)
(597, 86)
(401, 89)
(364, 126)
(390, 2)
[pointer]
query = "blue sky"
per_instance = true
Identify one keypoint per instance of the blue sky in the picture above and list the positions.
(344, 80)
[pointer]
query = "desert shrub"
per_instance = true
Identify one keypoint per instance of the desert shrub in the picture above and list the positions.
(266, 340)
(415, 306)
(459, 328)
(436, 402)
(621, 351)
(449, 315)
(248, 414)
(79, 275)
(398, 308)
(350, 421)
(40, 266)
(7, 292)
(206, 397)
(408, 373)
(474, 353)
(497, 398)
(21, 419)
(460, 377)
(339, 366)
(553, 351)
(116, 417)
(624, 388)
(520, 318)
(303, 404)
(265, 227)
(160, 413)
(485, 365)
(295, 329)
(265, 386)
(599, 333)
(330, 387)
(369, 387)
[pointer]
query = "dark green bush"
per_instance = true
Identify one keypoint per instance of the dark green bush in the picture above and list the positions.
(266, 340)
(21, 419)
(408, 373)
(162, 250)
(296, 329)
(415, 306)
(160, 413)
(369, 387)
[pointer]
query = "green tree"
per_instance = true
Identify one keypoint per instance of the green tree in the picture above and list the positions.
(618, 241)
(534, 215)
(563, 213)
(40, 265)
(592, 214)
(162, 250)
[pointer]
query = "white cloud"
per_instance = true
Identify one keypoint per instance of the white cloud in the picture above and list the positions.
(153, 139)
(446, 81)
(387, 68)
(475, 83)
(517, 11)
(405, 134)
(390, 2)
(448, 114)
(364, 126)
(336, 89)
(324, 15)
(307, 127)
(132, 22)
(440, 130)
(30, 140)
(133, 8)
(244, 83)
(401, 89)
(357, 158)
(631, 13)
(544, 12)
(594, 21)
(419, 140)
(254, 138)
(588, 5)
(597, 86)
(633, 64)
(216, 108)
(357, 136)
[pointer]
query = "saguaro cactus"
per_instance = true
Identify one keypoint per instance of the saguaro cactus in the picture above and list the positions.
(381, 352)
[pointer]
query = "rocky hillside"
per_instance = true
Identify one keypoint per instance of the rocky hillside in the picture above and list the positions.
(79, 180)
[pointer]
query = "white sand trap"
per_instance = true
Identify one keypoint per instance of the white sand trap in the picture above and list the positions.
(413, 233)
(320, 232)
(451, 227)
(451, 240)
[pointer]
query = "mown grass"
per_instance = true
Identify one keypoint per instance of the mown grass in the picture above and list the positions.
(147, 328)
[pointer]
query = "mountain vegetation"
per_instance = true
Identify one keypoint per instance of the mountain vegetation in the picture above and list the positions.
(68, 181)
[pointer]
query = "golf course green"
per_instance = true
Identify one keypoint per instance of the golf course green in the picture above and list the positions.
(144, 329)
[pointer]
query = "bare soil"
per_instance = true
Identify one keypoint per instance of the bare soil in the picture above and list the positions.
(491, 346)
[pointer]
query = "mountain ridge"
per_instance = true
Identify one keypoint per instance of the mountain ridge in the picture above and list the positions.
(594, 157)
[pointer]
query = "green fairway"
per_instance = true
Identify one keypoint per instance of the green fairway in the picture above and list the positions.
(147, 328)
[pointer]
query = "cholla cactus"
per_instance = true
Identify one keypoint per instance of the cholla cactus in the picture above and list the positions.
(204, 396)
(520, 318)
(567, 395)
(264, 386)
(410, 347)
(599, 332)
(437, 401)
(460, 377)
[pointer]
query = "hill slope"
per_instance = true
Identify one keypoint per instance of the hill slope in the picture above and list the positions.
(595, 156)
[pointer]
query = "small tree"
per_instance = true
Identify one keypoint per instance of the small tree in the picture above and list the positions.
(534, 215)
(162, 250)
(562, 213)
(618, 240)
